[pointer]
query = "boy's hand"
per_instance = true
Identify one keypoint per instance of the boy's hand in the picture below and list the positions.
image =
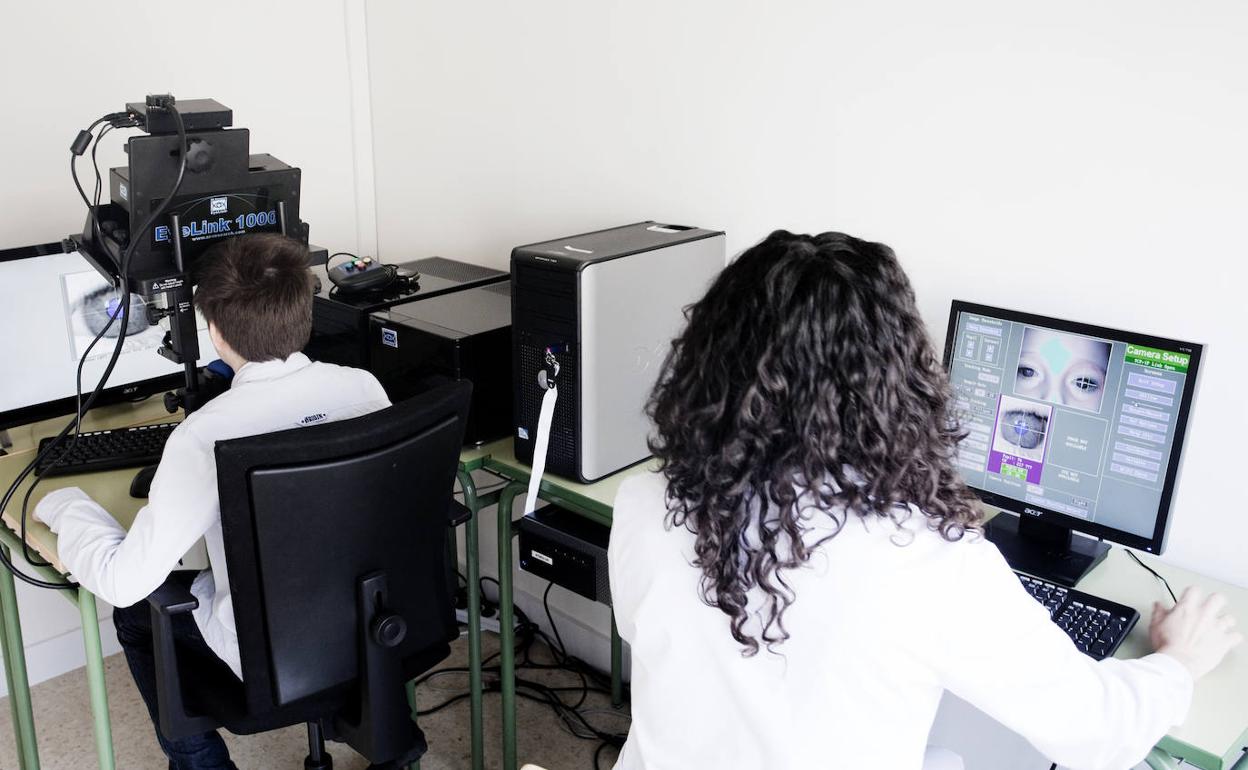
(54, 504)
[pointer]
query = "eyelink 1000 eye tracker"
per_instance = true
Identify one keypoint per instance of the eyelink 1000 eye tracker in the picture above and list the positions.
(222, 191)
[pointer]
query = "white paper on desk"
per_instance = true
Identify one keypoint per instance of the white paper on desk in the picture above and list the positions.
(539, 451)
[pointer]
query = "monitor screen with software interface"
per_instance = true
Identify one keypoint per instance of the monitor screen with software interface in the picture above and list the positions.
(51, 307)
(1079, 424)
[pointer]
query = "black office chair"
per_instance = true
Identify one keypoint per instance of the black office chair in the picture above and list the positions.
(336, 543)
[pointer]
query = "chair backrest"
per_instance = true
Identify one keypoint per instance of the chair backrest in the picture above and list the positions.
(308, 512)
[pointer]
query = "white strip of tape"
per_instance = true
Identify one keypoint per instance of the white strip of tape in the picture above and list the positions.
(539, 451)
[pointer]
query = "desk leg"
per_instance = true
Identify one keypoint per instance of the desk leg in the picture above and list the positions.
(15, 673)
(471, 551)
(617, 665)
(507, 623)
(1160, 760)
(95, 679)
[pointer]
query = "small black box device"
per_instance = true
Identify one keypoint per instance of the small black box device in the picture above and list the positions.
(465, 335)
(197, 115)
(568, 550)
(340, 321)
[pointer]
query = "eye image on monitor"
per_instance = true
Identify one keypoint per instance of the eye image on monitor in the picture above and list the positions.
(1062, 368)
(1020, 439)
(89, 302)
(1070, 426)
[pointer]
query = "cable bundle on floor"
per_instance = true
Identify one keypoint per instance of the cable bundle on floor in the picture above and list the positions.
(572, 713)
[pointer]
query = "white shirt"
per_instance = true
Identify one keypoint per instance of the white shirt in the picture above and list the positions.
(122, 568)
(885, 620)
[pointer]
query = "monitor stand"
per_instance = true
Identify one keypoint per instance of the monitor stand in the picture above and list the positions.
(1048, 551)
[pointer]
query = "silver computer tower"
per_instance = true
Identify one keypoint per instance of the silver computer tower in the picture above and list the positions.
(608, 304)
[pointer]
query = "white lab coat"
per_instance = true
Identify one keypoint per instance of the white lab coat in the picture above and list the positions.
(122, 567)
(885, 620)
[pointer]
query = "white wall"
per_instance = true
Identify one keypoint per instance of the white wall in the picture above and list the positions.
(1082, 160)
(284, 68)
(1078, 160)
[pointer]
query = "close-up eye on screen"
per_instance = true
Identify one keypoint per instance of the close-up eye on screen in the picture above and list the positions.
(1061, 368)
(1022, 428)
(89, 302)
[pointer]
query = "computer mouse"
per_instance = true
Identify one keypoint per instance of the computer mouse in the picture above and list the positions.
(142, 483)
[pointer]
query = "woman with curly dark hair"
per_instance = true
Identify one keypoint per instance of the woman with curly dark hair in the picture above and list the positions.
(807, 573)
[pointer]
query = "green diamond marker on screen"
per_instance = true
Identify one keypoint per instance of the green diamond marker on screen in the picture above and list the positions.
(1057, 354)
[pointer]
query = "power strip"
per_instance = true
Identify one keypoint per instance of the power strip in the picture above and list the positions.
(488, 622)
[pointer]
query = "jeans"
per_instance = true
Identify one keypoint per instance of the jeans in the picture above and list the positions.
(205, 751)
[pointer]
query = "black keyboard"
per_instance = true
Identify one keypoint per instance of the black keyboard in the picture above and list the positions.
(106, 450)
(1097, 626)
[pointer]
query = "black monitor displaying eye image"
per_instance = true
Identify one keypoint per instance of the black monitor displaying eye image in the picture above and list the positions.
(1069, 424)
(52, 304)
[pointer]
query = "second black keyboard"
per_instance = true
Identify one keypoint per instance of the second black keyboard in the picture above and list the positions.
(105, 450)
(1097, 626)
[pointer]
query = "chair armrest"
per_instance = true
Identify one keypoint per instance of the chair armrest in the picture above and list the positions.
(458, 513)
(172, 598)
(176, 720)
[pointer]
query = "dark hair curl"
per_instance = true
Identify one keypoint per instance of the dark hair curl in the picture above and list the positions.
(803, 379)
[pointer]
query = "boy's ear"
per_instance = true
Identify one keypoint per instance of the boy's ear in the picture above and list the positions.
(215, 336)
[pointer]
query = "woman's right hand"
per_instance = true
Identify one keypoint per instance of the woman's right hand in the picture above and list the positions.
(1197, 632)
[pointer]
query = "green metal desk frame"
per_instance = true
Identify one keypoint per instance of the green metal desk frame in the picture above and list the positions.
(15, 663)
(474, 503)
(591, 509)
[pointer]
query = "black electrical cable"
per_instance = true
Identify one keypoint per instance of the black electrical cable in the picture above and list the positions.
(73, 160)
(99, 185)
(598, 752)
(564, 659)
(563, 651)
(78, 412)
(27, 554)
(1164, 582)
(487, 489)
(121, 119)
(76, 425)
(527, 633)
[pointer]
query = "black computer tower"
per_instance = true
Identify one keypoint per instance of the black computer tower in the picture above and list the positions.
(340, 322)
(465, 335)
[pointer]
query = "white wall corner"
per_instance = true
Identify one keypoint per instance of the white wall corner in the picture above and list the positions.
(355, 15)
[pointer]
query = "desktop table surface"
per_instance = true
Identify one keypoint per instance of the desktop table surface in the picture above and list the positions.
(111, 489)
(1217, 724)
(595, 499)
